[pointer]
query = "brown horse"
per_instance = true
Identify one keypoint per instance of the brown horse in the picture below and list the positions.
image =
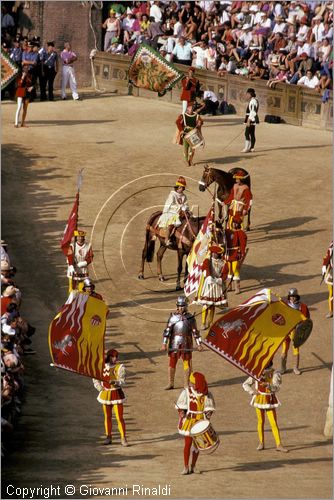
(225, 183)
(182, 242)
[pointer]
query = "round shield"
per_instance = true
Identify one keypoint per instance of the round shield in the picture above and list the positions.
(302, 333)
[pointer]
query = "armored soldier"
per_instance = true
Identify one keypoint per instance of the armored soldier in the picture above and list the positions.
(178, 339)
(327, 276)
(111, 395)
(293, 300)
(79, 256)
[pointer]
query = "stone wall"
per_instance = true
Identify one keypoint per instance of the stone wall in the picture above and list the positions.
(293, 104)
(74, 22)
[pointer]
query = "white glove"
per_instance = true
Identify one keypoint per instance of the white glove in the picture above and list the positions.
(70, 270)
(323, 270)
(82, 264)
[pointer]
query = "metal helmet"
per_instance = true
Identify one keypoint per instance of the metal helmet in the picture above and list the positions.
(87, 283)
(182, 301)
(293, 292)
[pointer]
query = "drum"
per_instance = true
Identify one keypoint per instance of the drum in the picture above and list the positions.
(194, 138)
(204, 436)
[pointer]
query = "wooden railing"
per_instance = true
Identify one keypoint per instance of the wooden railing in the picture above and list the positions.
(293, 104)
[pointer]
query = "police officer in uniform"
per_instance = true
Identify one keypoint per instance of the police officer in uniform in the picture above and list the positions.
(178, 340)
(49, 70)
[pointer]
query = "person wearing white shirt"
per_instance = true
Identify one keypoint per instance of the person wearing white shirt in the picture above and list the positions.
(309, 80)
(155, 12)
(318, 30)
(200, 55)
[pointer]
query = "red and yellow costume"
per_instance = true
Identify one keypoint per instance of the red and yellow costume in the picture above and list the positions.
(194, 403)
(236, 242)
(327, 273)
(240, 199)
(265, 402)
(111, 396)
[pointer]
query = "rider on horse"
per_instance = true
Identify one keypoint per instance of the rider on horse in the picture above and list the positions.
(175, 206)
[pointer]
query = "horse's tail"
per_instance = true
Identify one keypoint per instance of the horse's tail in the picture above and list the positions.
(150, 238)
(150, 245)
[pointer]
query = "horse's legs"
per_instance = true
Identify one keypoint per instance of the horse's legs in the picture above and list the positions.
(143, 258)
(160, 254)
(180, 255)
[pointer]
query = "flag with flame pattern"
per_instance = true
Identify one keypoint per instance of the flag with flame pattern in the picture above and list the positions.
(198, 254)
(249, 335)
(76, 336)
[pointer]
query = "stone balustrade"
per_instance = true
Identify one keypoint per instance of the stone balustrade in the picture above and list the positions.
(295, 105)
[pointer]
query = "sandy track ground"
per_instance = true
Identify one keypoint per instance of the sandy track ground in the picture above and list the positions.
(125, 146)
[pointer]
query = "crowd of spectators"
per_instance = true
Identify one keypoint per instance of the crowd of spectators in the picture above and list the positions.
(16, 335)
(287, 42)
(281, 42)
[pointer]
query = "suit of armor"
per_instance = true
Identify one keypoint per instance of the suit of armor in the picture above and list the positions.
(178, 336)
(300, 306)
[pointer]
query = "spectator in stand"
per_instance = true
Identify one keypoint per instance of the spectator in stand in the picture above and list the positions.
(258, 71)
(115, 47)
(281, 77)
(156, 12)
(211, 56)
(113, 29)
(7, 272)
(310, 80)
(227, 65)
(305, 64)
(127, 25)
(154, 32)
(199, 51)
(4, 255)
(243, 69)
(182, 53)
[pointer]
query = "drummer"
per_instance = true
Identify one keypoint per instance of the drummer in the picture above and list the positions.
(194, 403)
(186, 122)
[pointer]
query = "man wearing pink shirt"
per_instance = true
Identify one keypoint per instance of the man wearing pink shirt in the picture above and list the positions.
(68, 75)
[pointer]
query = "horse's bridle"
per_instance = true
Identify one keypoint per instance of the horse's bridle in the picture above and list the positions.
(206, 184)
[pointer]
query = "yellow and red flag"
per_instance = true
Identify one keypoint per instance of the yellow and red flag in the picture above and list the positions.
(76, 336)
(198, 254)
(249, 335)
